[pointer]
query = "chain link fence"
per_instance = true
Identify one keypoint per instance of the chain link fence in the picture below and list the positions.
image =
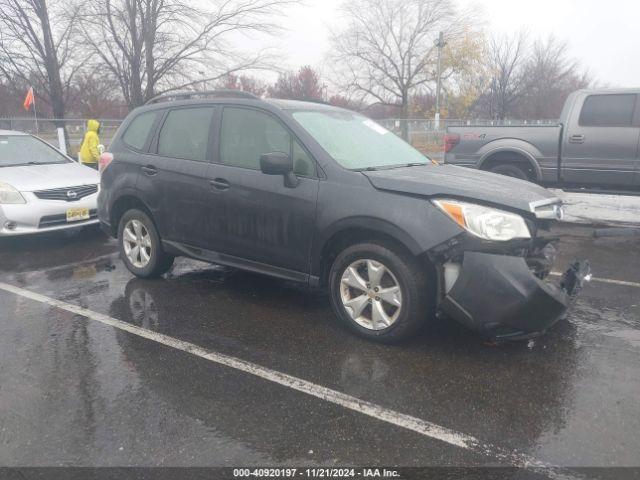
(46, 128)
(423, 134)
(428, 137)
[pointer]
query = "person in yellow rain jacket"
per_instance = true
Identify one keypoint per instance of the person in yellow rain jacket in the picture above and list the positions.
(89, 154)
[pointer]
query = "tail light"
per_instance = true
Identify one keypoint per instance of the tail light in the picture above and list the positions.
(450, 141)
(105, 159)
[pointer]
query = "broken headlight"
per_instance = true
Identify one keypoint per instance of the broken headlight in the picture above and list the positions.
(485, 222)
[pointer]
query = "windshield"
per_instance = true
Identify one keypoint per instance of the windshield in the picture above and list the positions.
(27, 150)
(357, 142)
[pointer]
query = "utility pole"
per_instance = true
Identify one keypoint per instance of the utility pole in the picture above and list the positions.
(35, 114)
(204, 80)
(440, 43)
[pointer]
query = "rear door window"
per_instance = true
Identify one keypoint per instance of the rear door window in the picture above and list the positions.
(185, 133)
(608, 110)
(137, 134)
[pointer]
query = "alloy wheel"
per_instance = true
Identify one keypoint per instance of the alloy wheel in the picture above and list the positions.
(371, 294)
(136, 241)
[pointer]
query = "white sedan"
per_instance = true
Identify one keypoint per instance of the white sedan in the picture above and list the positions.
(41, 189)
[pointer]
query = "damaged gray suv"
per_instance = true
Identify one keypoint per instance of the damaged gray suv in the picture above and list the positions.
(324, 196)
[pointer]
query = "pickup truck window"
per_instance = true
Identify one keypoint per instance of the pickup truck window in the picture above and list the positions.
(608, 110)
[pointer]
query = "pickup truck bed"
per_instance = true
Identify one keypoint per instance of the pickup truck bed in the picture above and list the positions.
(488, 147)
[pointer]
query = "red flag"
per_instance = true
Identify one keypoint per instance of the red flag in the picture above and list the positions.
(29, 100)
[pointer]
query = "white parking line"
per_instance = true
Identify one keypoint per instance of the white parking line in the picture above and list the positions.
(606, 280)
(408, 422)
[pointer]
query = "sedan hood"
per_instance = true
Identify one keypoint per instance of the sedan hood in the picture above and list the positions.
(28, 178)
(463, 183)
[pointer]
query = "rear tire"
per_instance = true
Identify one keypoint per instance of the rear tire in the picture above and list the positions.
(511, 170)
(140, 246)
(386, 307)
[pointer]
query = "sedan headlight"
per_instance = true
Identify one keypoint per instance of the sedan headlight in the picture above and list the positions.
(485, 222)
(8, 195)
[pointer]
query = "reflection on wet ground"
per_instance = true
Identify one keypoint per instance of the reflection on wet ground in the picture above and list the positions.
(569, 398)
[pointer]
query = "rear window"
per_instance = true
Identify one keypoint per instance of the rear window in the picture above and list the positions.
(138, 131)
(608, 110)
(185, 133)
(27, 150)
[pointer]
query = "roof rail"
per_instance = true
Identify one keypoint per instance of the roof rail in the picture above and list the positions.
(188, 94)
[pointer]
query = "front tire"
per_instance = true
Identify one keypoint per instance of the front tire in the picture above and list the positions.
(140, 246)
(379, 292)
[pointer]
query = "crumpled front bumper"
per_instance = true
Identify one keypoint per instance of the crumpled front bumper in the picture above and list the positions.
(500, 296)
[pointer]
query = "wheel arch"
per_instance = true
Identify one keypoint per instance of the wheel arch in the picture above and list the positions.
(358, 230)
(121, 206)
(511, 154)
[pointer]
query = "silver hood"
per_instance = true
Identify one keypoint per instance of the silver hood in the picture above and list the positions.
(29, 178)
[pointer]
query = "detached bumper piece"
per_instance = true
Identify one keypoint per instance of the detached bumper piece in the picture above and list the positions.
(501, 297)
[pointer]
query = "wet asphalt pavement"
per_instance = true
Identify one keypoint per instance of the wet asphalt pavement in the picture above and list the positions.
(74, 391)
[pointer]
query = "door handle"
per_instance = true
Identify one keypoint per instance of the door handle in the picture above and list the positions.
(576, 139)
(219, 184)
(149, 170)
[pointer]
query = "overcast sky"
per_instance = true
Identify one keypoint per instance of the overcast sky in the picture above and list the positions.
(603, 35)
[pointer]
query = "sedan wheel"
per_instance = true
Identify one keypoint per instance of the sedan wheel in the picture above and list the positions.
(371, 294)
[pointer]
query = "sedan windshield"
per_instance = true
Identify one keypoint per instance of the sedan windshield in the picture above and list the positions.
(27, 150)
(358, 143)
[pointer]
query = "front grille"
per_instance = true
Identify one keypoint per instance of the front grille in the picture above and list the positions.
(67, 194)
(61, 219)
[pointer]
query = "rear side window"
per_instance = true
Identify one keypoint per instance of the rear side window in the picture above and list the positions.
(185, 134)
(138, 131)
(608, 110)
(248, 134)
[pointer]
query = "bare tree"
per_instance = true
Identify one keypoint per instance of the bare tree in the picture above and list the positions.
(550, 75)
(96, 96)
(506, 82)
(345, 102)
(245, 83)
(11, 97)
(305, 84)
(153, 46)
(528, 80)
(387, 49)
(37, 47)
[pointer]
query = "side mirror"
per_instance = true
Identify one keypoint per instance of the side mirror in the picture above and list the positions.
(278, 163)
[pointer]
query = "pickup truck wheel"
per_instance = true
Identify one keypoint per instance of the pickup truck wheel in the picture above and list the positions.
(379, 293)
(140, 246)
(511, 170)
